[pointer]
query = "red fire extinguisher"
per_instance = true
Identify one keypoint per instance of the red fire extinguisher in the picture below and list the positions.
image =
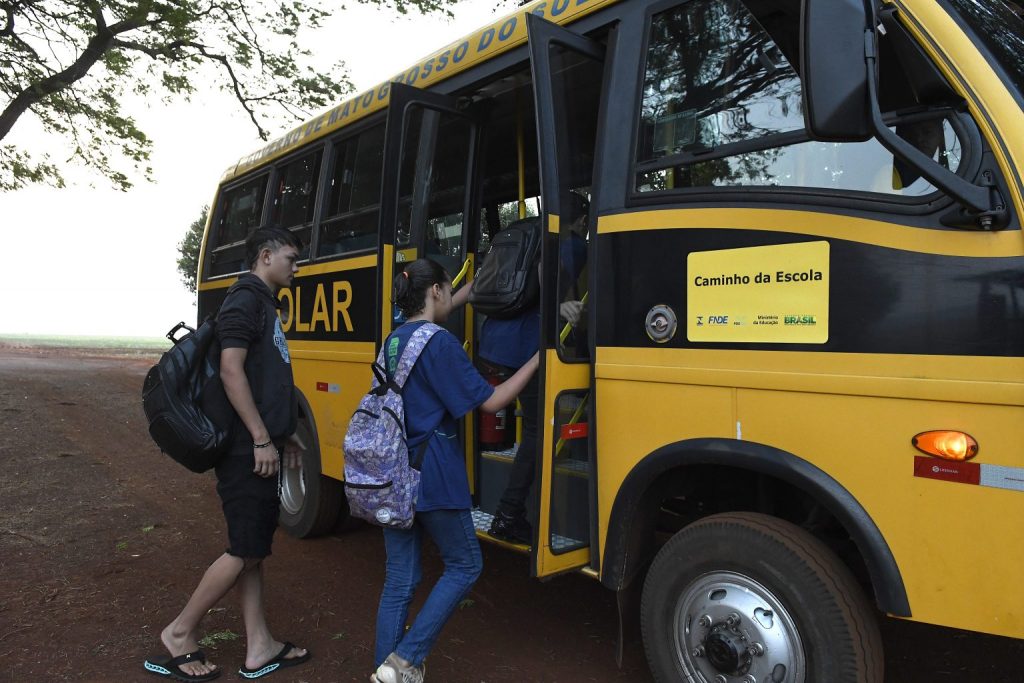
(496, 429)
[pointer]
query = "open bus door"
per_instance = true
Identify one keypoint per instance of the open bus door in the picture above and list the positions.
(430, 151)
(427, 199)
(568, 76)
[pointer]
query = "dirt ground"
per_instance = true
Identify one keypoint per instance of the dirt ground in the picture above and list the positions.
(102, 539)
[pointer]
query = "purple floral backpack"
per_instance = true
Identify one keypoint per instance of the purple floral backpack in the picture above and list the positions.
(381, 477)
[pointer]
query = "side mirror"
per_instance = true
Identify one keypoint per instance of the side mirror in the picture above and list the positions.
(835, 77)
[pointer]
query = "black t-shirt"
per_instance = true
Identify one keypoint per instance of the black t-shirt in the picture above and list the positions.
(248, 319)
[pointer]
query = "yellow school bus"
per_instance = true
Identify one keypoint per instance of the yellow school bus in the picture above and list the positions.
(795, 400)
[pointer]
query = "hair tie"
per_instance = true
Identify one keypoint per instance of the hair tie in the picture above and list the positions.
(405, 274)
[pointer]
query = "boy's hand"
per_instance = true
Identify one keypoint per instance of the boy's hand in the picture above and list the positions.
(266, 460)
(293, 449)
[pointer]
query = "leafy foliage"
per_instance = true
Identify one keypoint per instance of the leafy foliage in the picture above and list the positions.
(188, 250)
(71, 63)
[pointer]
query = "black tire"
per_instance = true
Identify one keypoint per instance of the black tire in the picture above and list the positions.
(737, 594)
(311, 503)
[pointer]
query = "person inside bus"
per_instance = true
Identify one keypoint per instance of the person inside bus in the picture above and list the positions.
(442, 387)
(505, 345)
(572, 254)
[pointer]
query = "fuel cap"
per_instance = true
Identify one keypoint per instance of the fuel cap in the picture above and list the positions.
(661, 323)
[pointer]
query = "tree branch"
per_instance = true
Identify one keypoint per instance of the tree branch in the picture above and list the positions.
(237, 87)
(8, 30)
(167, 50)
(155, 51)
(93, 52)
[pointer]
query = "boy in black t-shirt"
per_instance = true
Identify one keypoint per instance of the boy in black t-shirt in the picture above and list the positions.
(255, 367)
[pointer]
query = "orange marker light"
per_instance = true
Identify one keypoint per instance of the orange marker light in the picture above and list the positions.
(946, 444)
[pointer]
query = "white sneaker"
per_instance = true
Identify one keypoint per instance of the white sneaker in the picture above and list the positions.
(393, 671)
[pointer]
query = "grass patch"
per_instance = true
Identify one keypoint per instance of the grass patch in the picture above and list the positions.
(55, 341)
(213, 637)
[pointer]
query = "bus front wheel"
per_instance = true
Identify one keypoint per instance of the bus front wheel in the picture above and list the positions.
(747, 597)
(311, 503)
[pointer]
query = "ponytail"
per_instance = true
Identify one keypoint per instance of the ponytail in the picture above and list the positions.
(411, 285)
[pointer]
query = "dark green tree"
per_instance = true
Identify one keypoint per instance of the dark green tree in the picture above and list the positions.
(188, 250)
(69, 63)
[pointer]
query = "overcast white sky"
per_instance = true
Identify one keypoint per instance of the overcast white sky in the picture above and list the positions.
(95, 261)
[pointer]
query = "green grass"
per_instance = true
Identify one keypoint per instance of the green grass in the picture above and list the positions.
(145, 344)
(212, 638)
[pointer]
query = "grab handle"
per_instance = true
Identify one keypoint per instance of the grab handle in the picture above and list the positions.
(462, 273)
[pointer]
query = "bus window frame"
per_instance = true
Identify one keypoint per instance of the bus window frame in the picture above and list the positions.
(275, 177)
(605, 34)
(932, 204)
(330, 164)
(218, 215)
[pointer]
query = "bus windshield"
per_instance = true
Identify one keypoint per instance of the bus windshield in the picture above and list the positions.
(999, 25)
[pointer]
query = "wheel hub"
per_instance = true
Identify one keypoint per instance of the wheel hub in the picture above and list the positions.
(726, 651)
(730, 628)
(293, 479)
(293, 490)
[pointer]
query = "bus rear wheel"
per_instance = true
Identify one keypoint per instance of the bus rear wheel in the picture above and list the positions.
(749, 598)
(311, 503)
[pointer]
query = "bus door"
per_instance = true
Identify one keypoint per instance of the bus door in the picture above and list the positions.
(568, 75)
(426, 198)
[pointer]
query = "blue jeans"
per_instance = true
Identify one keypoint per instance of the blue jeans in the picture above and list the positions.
(455, 537)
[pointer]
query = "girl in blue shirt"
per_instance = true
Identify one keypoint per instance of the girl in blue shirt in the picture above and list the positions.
(442, 387)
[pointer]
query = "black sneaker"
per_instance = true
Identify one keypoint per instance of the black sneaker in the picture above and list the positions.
(510, 528)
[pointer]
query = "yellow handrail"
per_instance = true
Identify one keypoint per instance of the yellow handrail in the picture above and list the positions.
(462, 273)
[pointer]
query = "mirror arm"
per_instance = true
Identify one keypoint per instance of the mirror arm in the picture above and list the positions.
(979, 199)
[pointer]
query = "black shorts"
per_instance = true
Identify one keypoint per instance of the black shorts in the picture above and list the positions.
(250, 504)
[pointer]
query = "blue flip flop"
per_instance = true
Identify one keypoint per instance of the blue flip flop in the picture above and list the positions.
(278, 662)
(170, 667)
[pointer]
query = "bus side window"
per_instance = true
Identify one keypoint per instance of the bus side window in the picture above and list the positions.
(722, 107)
(295, 196)
(350, 216)
(239, 211)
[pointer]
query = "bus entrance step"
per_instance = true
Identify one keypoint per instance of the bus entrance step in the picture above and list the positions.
(566, 466)
(482, 522)
(507, 455)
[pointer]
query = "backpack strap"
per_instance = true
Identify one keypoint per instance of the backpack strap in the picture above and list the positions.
(380, 373)
(413, 348)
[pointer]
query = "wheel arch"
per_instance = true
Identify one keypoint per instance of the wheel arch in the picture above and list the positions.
(630, 541)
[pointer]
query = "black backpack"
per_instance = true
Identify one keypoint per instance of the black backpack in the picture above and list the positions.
(190, 417)
(506, 284)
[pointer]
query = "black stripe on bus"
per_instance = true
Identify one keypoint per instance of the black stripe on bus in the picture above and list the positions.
(339, 306)
(881, 299)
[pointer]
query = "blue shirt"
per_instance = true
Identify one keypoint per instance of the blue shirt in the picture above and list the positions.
(513, 341)
(442, 387)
